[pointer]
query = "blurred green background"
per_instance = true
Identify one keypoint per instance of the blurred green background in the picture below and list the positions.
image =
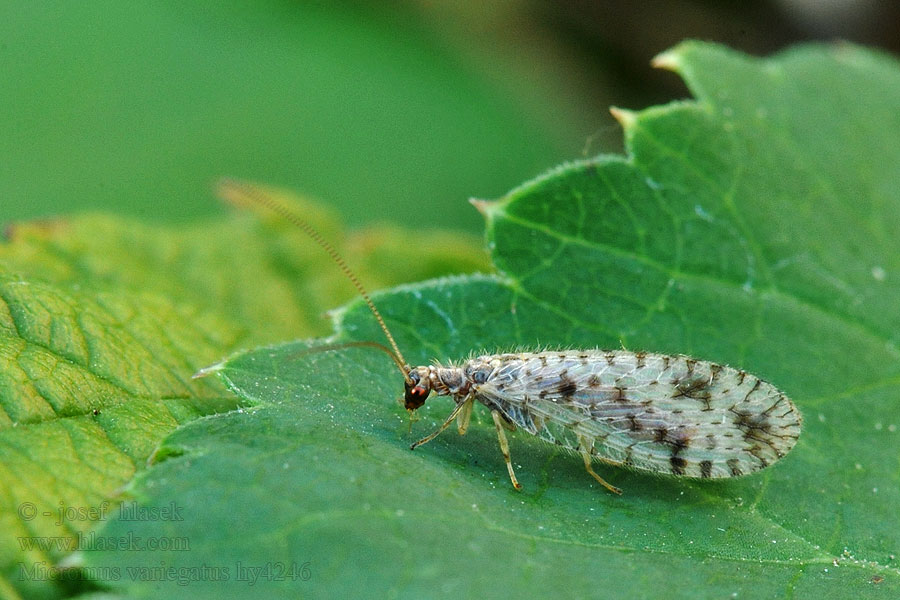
(394, 111)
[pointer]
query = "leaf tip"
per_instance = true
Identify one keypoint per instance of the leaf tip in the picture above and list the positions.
(669, 60)
(626, 118)
(486, 207)
(232, 191)
(208, 370)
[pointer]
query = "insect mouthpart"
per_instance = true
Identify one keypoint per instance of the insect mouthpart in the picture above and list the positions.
(415, 392)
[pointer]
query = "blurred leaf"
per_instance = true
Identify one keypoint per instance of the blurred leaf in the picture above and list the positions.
(755, 226)
(102, 323)
(117, 105)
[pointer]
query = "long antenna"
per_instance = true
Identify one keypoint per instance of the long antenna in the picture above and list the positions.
(236, 193)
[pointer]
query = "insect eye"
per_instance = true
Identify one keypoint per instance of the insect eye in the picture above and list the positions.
(415, 396)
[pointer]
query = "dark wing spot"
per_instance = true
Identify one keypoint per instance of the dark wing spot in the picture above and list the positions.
(769, 410)
(691, 364)
(594, 381)
(733, 466)
(696, 389)
(705, 468)
(751, 423)
(755, 450)
(640, 357)
(678, 444)
(634, 424)
(678, 465)
(567, 388)
(755, 387)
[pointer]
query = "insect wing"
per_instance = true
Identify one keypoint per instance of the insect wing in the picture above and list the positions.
(654, 412)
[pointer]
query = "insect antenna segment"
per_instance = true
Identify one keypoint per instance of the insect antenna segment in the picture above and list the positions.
(238, 193)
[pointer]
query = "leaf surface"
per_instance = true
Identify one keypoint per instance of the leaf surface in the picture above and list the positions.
(754, 226)
(103, 321)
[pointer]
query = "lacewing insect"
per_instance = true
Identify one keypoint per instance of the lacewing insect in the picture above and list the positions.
(658, 413)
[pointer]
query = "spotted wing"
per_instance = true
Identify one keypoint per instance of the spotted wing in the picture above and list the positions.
(655, 412)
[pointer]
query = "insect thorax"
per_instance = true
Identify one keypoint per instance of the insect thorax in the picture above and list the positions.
(459, 381)
(445, 381)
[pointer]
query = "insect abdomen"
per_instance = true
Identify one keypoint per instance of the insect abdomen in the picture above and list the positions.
(654, 412)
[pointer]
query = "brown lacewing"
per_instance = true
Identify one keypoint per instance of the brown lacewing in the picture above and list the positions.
(658, 413)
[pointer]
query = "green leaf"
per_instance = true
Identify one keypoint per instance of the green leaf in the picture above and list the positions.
(90, 382)
(102, 323)
(754, 226)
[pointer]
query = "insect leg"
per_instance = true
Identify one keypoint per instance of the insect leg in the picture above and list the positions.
(413, 417)
(504, 448)
(465, 415)
(446, 424)
(585, 445)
